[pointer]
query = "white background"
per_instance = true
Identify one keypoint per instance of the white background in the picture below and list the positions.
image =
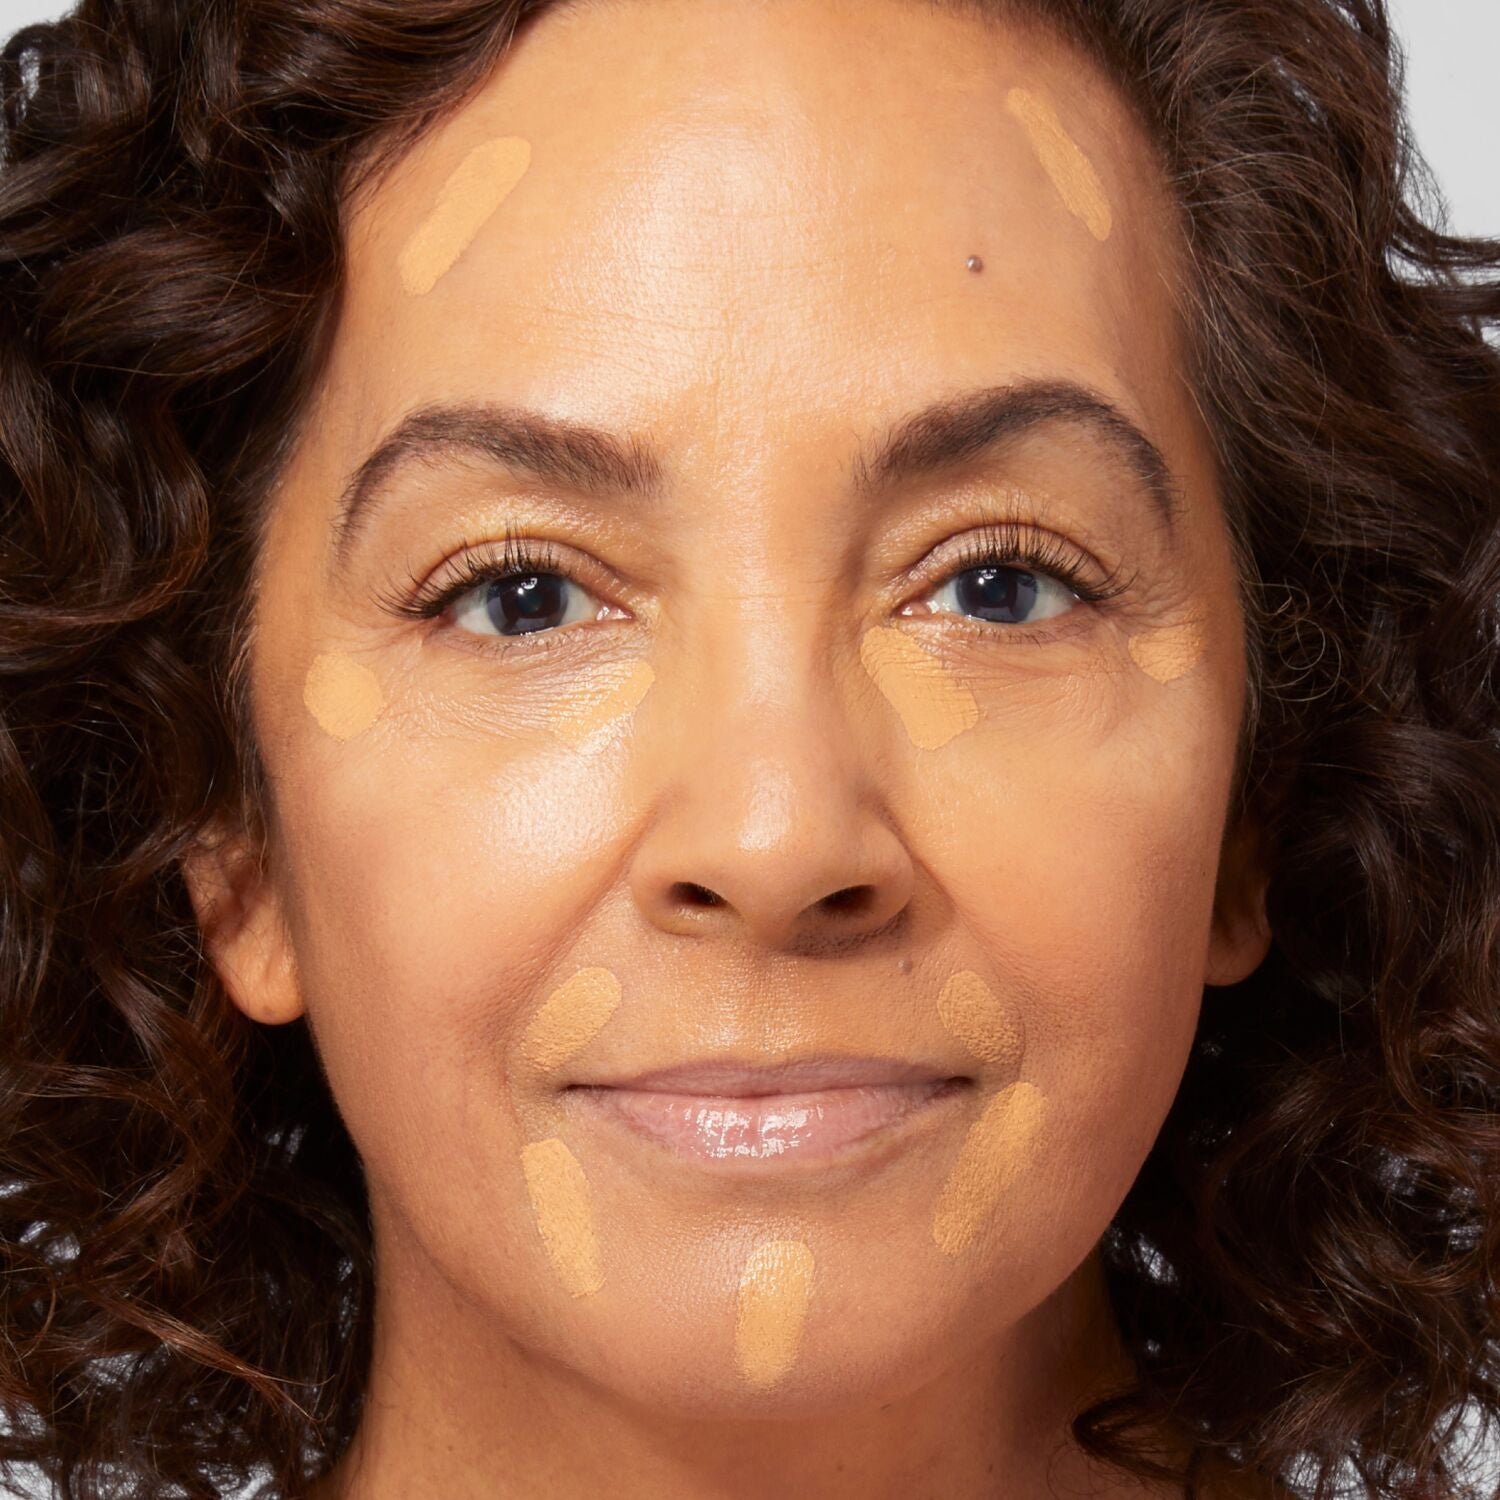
(1451, 46)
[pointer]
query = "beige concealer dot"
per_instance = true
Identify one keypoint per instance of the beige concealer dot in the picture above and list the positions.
(999, 1144)
(775, 1287)
(603, 701)
(1167, 653)
(559, 1195)
(342, 695)
(1072, 173)
(474, 190)
(571, 1016)
(976, 1015)
(932, 703)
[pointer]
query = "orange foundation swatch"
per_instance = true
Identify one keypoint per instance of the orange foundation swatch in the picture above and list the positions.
(559, 1195)
(775, 1287)
(603, 702)
(1168, 653)
(571, 1016)
(475, 189)
(999, 1144)
(976, 1015)
(933, 704)
(1072, 173)
(343, 696)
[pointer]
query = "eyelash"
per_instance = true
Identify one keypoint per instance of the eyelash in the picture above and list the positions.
(999, 543)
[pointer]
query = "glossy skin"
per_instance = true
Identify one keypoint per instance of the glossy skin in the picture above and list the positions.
(743, 236)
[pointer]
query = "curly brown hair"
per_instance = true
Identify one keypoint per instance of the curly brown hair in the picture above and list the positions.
(1304, 1270)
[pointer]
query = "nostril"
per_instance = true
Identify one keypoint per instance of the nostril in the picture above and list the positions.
(698, 895)
(853, 898)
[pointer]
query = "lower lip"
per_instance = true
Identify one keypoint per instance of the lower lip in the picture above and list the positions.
(767, 1128)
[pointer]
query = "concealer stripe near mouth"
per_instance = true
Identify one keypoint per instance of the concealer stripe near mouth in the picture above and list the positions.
(570, 1017)
(559, 1195)
(981, 1020)
(999, 1145)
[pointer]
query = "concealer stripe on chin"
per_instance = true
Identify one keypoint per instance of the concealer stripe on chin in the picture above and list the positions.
(932, 703)
(775, 1288)
(474, 190)
(602, 701)
(1072, 173)
(342, 695)
(976, 1015)
(559, 1195)
(1000, 1143)
(570, 1017)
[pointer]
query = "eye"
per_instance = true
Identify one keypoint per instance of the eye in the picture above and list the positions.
(525, 591)
(1013, 580)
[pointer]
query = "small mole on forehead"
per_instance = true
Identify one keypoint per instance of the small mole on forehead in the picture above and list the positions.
(974, 263)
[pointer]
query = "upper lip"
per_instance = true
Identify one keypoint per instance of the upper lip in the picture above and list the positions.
(747, 1077)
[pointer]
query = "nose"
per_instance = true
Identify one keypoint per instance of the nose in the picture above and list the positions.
(767, 822)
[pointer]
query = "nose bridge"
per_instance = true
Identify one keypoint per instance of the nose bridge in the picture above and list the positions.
(767, 816)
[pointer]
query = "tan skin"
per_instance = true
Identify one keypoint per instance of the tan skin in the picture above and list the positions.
(742, 238)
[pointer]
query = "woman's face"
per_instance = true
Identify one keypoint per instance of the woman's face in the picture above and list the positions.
(765, 763)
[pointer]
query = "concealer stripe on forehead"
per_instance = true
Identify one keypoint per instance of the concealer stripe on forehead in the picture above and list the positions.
(977, 1016)
(342, 695)
(1168, 653)
(474, 190)
(570, 1017)
(602, 701)
(1000, 1143)
(932, 703)
(1072, 173)
(775, 1288)
(559, 1195)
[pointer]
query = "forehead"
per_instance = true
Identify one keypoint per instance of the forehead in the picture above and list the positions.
(762, 212)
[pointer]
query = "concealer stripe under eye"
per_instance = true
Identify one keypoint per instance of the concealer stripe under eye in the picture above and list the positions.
(1168, 653)
(932, 703)
(603, 700)
(342, 695)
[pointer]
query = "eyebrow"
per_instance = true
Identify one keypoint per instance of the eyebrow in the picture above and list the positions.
(593, 461)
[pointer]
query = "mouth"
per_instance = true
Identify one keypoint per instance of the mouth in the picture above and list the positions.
(730, 1114)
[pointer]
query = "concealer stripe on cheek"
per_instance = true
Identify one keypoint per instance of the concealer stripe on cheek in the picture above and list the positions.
(1072, 173)
(1000, 1143)
(570, 1017)
(775, 1288)
(602, 701)
(932, 703)
(342, 695)
(1168, 653)
(474, 190)
(981, 1020)
(559, 1195)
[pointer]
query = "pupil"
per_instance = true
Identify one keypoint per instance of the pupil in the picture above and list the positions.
(995, 589)
(519, 605)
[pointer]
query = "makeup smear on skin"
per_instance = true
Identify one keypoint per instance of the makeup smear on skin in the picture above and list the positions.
(775, 1287)
(1072, 173)
(933, 704)
(603, 701)
(559, 1195)
(998, 1146)
(571, 1016)
(981, 1020)
(1168, 653)
(342, 695)
(474, 190)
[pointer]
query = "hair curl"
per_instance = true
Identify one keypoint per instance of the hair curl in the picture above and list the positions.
(1305, 1269)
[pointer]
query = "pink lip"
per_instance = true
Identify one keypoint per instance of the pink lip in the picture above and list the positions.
(734, 1115)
